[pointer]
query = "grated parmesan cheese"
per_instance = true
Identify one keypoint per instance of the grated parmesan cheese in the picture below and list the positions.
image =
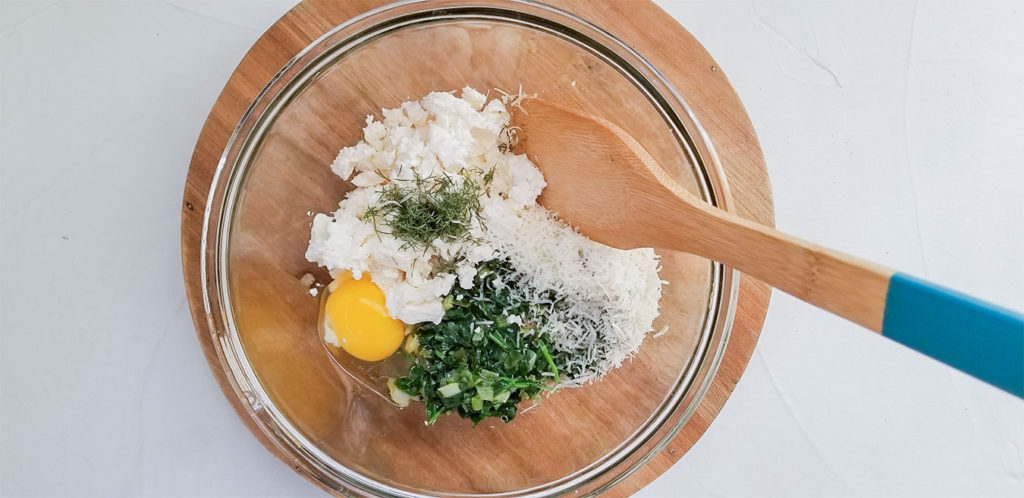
(608, 298)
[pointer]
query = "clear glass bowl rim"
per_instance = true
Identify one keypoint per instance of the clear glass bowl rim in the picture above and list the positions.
(229, 178)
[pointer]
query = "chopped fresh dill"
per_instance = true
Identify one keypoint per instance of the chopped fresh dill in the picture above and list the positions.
(427, 209)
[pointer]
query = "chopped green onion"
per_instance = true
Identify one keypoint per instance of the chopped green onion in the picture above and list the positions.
(449, 390)
(485, 393)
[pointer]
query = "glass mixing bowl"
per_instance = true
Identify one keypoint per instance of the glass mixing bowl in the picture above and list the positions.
(274, 174)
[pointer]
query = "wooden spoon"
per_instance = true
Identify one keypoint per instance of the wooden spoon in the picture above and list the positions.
(603, 182)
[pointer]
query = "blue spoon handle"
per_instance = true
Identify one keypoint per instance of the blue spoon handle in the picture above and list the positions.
(978, 338)
(973, 336)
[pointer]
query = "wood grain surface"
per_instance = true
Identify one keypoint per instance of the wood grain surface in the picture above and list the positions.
(639, 23)
(627, 200)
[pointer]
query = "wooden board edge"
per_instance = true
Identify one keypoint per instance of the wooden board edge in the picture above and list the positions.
(743, 161)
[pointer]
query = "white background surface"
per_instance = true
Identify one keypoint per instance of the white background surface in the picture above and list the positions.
(892, 130)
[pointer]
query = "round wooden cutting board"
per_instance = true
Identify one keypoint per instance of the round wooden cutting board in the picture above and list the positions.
(642, 25)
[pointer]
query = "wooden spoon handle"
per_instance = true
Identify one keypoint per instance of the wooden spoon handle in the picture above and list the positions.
(976, 337)
(624, 199)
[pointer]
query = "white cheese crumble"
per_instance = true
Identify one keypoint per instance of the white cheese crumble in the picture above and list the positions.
(609, 297)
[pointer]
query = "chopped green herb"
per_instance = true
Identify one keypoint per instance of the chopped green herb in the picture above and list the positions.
(475, 362)
(547, 357)
(427, 209)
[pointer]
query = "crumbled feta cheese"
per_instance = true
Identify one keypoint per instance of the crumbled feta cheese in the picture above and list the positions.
(440, 135)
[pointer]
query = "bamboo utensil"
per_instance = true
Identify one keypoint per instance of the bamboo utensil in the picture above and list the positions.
(603, 182)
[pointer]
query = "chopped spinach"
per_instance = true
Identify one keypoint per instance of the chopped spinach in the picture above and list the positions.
(479, 361)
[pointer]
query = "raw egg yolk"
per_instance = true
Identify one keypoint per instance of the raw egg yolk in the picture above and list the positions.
(356, 312)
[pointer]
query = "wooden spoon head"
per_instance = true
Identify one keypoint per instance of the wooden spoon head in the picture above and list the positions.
(599, 179)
